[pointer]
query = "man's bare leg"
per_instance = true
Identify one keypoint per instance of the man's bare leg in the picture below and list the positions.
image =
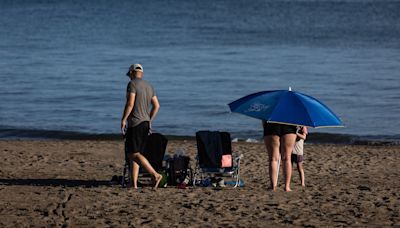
(135, 174)
(142, 161)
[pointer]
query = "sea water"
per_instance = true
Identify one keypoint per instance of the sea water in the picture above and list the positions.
(63, 63)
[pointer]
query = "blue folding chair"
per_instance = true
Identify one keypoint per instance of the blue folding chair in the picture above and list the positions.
(213, 150)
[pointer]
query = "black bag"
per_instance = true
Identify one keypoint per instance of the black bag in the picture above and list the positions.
(178, 170)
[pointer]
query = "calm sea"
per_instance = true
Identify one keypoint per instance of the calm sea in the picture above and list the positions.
(63, 63)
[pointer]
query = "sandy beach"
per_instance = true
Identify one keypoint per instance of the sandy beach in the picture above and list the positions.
(66, 183)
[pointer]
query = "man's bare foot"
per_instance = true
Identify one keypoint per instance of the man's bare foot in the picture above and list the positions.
(131, 186)
(288, 189)
(157, 179)
(272, 189)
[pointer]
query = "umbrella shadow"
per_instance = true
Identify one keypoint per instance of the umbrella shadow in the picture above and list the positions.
(56, 182)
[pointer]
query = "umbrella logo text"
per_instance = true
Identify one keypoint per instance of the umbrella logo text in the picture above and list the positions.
(257, 108)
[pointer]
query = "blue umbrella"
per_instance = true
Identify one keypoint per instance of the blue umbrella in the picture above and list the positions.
(286, 107)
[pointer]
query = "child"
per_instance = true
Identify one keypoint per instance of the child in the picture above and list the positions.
(297, 156)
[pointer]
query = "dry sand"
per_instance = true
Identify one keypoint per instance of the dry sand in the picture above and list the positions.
(66, 183)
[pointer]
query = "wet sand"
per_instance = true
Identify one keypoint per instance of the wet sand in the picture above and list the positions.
(66, 183)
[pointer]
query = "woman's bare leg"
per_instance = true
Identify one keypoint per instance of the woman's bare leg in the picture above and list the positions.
(272, 145)
(286, 148)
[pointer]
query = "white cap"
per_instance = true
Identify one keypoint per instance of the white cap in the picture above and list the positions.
(135, 67)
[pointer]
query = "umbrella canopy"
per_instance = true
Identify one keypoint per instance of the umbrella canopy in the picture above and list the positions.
(286, 107)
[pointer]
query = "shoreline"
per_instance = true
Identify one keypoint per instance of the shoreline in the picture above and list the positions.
(313, 138)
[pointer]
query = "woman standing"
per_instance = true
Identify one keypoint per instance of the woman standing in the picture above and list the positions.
(279, 139)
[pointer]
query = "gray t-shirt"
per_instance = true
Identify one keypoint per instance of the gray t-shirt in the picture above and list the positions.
(143, 93)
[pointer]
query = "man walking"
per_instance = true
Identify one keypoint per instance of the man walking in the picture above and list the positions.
(140, 96)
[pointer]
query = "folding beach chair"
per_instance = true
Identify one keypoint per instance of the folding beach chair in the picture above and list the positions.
(154, 151)
(214, 158)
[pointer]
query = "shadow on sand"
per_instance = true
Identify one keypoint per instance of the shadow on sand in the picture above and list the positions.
(57, 182)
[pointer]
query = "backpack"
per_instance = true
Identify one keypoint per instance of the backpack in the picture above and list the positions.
(178, 170)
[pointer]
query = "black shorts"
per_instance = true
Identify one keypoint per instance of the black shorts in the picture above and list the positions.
(297, 158)
(136, 137)
(278, 129)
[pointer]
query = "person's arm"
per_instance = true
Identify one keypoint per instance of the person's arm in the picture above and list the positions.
(130, 102)
(155, 107)
(303, 134)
